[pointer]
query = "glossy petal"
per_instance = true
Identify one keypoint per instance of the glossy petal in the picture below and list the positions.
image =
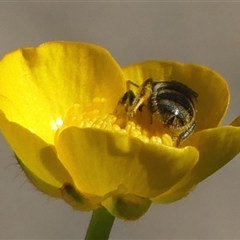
(58, 113)
(99, 161)
(37, 158)
(212, 89)
(37, 85)
(216, 147)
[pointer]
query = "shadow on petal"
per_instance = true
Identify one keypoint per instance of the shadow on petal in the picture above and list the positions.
(37, 158)
(216, 147)
(100, 160)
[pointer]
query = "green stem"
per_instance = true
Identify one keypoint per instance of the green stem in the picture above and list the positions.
(100, 225)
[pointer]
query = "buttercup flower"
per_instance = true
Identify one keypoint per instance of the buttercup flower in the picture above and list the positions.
(60, 113)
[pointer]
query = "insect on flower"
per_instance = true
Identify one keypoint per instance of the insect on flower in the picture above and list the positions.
(171, 102)
(122, 158)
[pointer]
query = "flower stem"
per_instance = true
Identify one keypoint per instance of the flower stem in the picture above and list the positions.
(100, 225)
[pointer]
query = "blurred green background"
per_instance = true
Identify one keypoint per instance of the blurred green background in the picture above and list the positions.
(198, 32)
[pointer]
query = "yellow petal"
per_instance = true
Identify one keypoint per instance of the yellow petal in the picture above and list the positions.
(216, 148)
(212, 89)
(36, 157)
(40, 183)
(41, 83)
(100, 160)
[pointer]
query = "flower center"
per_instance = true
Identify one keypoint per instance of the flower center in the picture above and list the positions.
(143, 126)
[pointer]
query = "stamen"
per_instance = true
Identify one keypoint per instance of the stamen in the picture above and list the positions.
(139, 127)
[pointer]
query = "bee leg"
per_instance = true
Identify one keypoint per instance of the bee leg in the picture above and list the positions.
(130, 82)
(184, 135)
(143, 94)
(145, 90)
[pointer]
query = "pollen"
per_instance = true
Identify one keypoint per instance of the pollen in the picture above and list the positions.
(96, 117)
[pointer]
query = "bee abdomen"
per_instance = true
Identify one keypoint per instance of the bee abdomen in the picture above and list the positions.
(174, 108)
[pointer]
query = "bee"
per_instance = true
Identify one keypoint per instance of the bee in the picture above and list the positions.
(170, 102)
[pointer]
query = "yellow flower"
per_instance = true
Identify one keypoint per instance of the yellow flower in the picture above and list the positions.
(58, 113)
